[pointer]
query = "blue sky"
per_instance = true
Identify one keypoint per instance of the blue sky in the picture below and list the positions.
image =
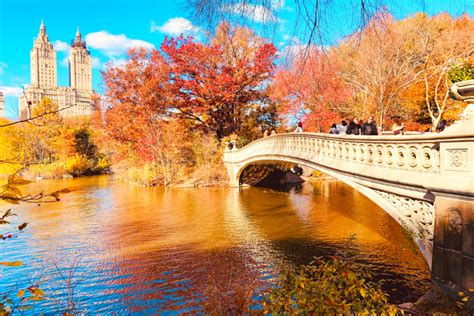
(110, 27)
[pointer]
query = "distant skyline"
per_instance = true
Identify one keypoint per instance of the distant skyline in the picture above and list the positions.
(111, 27)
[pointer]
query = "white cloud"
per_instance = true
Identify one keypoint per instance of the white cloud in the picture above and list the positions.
(175, 27)
(96, 63)
(254, 12)
(2, 67)
(11, 91)
(65, 62)
(296, 49)
(114, 45)
(61, 46)
(291, 51)
(278, 4)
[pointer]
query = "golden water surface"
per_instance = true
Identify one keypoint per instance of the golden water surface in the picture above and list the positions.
(149, 250)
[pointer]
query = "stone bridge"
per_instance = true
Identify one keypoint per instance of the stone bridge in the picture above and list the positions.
(424, 181)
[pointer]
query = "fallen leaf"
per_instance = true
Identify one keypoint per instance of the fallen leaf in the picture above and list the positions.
(20, 293)
(11, 263)
(22, 226)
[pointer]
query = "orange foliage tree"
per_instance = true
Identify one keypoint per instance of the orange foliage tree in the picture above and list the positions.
(399, 67)
(441, 42)
(137, 119)
(379, 64)
(311, 90)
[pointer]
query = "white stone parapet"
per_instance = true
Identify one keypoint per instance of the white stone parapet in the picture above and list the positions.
(410, 161)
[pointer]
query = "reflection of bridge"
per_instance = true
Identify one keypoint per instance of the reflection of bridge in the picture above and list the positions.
(425, 182)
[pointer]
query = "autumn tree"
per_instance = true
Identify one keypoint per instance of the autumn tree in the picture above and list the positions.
(36, 142)
(444, 43)
(311, 90)
(399, 68)
(379, 65)
(46, 145)
(138, 111)
(215, 85)
(160, 100)
(10, 159)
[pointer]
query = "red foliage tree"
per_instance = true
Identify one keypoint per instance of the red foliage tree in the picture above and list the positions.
(137, 101)
(215, 89)
(154, 101)
(310, 90)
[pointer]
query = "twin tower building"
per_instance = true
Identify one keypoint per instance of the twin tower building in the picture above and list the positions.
(74, 100)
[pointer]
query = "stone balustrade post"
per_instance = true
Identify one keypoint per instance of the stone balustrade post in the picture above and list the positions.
(453, 252)
(234, 144)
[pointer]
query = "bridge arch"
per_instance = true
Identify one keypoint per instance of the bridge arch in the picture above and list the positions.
(417, 179)
(421, 235)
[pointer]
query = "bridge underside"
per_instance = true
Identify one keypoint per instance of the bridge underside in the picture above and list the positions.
(415, 214)
(254, 174)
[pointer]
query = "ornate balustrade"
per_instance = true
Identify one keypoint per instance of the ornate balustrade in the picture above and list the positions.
(416, 161)
(418, 153)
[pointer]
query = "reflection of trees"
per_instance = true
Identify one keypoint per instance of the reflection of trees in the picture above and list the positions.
(316, 221)
(183, 278)
(181, 255)
(158, 249)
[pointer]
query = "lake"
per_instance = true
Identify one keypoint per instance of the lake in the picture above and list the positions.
(170, 250)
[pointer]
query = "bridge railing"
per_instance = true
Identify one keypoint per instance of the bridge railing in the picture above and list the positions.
(418, 153)
(439, 162)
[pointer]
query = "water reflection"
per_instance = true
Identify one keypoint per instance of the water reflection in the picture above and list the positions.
(163, 249)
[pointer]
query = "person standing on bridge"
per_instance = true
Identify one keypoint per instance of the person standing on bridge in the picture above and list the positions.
(441, 126)
(299, 128)
(398, 128)
(354, 127)
(333, 129)
(342, 128)
(369, 127)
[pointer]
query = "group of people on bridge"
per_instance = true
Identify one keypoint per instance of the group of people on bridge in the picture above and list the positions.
(356, 127)
(359, 127)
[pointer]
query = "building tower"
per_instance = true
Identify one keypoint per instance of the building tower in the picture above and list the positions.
(80, 65)
(75, 100)
(43, 61)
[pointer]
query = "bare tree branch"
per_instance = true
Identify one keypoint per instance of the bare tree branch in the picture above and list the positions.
(29, 120)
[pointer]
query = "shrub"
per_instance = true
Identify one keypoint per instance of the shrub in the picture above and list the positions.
(102, 165)
(337, 286)
(147, 175)
(461, 72)
(78, 165)
(53, 169)
(208, 168)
